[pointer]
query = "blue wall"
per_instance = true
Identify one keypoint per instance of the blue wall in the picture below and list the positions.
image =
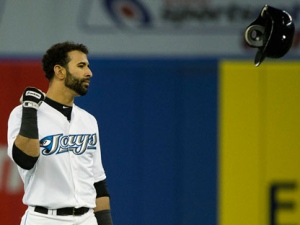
(158, 130)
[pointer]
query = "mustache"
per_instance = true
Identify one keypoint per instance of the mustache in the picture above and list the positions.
(85, 79)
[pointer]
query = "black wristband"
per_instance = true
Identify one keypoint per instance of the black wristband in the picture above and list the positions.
(104, 217)
(29, 127)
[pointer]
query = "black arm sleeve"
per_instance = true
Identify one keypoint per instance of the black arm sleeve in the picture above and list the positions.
(101, 189)
(104, 217)
(23, 160)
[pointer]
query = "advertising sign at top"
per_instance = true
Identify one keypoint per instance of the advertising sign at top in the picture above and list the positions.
(134, 27)
(190, 16)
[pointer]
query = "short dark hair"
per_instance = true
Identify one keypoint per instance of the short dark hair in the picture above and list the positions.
(58, 55)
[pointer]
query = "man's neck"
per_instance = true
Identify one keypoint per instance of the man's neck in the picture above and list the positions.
(62, 95)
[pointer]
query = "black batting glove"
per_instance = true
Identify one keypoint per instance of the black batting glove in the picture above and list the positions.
(32, 98)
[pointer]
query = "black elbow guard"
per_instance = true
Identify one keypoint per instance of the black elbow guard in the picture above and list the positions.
(23, 160)
(101, 189)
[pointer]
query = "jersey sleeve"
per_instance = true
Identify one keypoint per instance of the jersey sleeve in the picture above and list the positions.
(98, 170)
(14, 123)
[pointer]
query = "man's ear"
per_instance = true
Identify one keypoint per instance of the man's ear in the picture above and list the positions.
(59, 71)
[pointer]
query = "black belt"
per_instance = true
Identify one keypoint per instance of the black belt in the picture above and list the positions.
(63, 211)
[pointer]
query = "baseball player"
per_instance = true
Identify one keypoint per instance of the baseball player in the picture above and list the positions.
(55, 145)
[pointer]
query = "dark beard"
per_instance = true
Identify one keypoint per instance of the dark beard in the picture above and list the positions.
(76, 84)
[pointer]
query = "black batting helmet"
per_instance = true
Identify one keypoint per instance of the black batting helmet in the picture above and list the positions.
(271, 33)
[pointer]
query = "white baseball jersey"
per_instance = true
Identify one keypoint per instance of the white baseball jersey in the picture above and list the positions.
(70, 159)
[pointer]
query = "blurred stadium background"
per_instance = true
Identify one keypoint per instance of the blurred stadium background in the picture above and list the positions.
(191, 132)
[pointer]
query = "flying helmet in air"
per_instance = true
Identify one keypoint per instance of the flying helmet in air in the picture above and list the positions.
(271, 33)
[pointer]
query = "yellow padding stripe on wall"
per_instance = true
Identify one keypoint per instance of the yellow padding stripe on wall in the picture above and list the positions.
(259, 138)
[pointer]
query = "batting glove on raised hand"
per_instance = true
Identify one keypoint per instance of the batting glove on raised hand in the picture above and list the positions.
(32, 98)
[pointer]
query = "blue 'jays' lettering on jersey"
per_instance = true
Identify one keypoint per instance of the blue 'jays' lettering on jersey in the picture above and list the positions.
(77, 143)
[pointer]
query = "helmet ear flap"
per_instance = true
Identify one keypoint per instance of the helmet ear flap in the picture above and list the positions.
(254, 35)
(271, 33)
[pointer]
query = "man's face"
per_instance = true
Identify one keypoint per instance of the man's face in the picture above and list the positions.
(78, 73)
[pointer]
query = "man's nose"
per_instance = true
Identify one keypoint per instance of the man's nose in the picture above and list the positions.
(89, 73)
